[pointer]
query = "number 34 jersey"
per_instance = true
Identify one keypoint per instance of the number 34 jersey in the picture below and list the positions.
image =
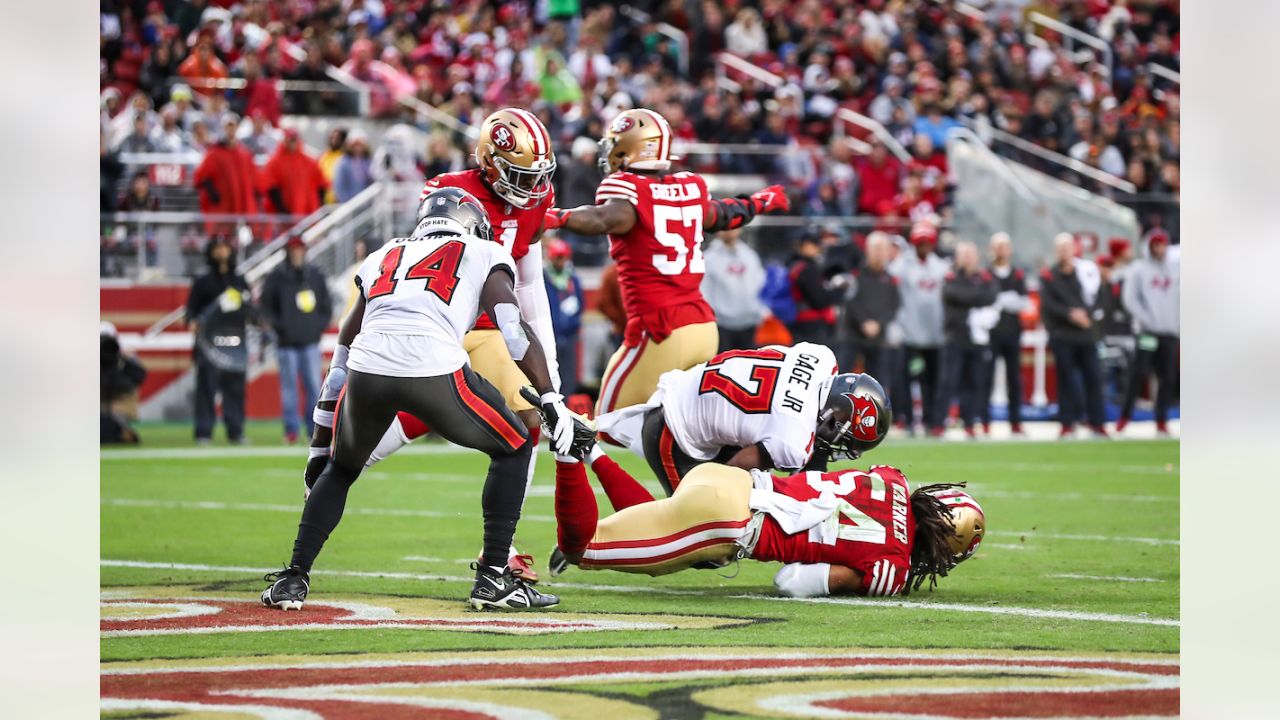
(866, 523)
(660, 264)
(421, 296)
(742, 397)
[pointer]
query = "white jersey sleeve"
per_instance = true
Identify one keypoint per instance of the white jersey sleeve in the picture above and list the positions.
(421, 297)
(789, 434)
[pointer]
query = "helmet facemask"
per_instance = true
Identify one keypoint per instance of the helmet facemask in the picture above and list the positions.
(603, 161)
(523, 187)
(834, 434)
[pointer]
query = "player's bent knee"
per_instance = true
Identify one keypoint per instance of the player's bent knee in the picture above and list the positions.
(532, 421)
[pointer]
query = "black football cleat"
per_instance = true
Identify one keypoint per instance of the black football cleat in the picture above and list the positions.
(557, 563)
(504, 590)
(288, 588)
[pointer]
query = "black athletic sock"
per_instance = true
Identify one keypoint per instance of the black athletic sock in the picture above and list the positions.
(502, 499)
(321, 513)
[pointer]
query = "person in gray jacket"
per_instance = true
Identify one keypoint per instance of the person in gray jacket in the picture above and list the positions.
(1151, 294)
(920, 278)
(732, 286)
(967, 289)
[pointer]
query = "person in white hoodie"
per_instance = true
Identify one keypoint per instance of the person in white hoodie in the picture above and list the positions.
(1151, 295)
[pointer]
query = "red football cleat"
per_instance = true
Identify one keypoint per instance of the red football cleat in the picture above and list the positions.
(522, 566)
(1121, 423)
(1100, 431)
(1016, 428)
(1067, 431)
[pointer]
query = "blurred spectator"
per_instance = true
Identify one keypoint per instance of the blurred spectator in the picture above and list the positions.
(139, 197)
(745, 36)
(168, 136)
(1152, 291)
(258, 135)
(920, 276)
(137, 119)
(1115, 329)
(444, 157)
(840, 256)
(353, 172)
(220, 183)
(202, 68)
(1006, 336)
(395, 159)
(217, 310)
(869, 311)
(878, 175)
(139, 138)
(564, 291)
(109, 171)
(121, 376)
(732, 287)
(890, 99)
(156, 71)
(968, 297)
(935, 124)
(609, 303)
(292, 179)
(295, 301)
(246, 171)
(1065, 313)
(328, 160)
(815, 297)
(180, 102)
(260, 95)
(1121, 252)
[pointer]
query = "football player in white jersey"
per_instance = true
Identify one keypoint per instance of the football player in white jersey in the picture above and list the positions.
(753, 409)
(418, 297)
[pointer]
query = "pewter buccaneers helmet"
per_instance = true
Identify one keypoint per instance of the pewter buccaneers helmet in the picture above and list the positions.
(452, 210)
(855, 416)
(968, 518)
(514, 153)
(637, 139)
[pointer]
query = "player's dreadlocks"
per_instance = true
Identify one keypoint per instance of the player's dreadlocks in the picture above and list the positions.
(931, 554)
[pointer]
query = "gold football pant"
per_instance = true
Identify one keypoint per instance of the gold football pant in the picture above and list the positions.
(633, 372)
(700, 522)
(491, 361)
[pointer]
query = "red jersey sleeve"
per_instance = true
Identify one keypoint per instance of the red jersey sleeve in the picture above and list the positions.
(618, 186)
(884, 577)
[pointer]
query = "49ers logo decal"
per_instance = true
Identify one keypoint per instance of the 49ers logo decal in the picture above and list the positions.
(503, 138)
(623, 124)
(866, 419)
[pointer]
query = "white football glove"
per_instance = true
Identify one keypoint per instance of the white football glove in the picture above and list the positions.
(559, 422)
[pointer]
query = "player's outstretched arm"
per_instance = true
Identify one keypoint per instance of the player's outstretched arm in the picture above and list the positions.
(733, 213)
(614, 217)
(535, 307)
(817, 580)
(498, 299)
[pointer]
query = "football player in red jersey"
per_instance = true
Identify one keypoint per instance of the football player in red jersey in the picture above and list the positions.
(655, 221)
(513, 183)
(849, 531)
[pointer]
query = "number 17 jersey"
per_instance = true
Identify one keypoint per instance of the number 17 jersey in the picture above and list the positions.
(421, 296)
(770, 396)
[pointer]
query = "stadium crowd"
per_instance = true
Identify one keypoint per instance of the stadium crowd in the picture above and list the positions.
(917, 67)
(204, 76)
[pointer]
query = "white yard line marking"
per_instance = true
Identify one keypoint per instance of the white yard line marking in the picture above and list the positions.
(1169, 469)
(991, 609)
(1106, 578)
(420, 558)
(1036, 535)
(1006, 546)
(881, 603)
(236, 451)
(295, 509)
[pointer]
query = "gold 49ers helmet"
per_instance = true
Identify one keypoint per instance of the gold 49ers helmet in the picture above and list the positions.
(637, 139)
(514, 153)
(967, 517)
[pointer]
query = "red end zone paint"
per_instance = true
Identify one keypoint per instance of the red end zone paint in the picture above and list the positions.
(1142, 688)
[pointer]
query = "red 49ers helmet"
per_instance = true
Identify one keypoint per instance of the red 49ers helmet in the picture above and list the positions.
(855, 416)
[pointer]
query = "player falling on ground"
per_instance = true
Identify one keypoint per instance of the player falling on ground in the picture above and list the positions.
(513, 183)
(655, 221)
(849, 531)
(418, 296)
(772, 407)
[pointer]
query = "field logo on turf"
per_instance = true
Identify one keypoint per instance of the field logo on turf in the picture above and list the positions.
(753, 682)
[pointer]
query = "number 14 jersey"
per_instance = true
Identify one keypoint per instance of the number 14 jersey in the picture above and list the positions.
(421, 296)
(738, 398)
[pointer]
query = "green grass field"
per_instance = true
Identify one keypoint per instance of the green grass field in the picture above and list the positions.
(1075, 588)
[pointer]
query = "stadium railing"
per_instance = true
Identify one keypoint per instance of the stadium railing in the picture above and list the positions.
(1071, 36)
(299, 97)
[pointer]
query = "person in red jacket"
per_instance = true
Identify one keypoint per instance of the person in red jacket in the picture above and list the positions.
(247, 171)
(292, 178)
(878, 176)
(219, 181)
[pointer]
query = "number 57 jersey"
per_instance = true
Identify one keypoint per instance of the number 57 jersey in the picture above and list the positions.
(659, 259)
(771, 396)
(421, 296)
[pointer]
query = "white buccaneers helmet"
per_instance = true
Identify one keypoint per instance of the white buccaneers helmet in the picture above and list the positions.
(514, 153)
(637, 139)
